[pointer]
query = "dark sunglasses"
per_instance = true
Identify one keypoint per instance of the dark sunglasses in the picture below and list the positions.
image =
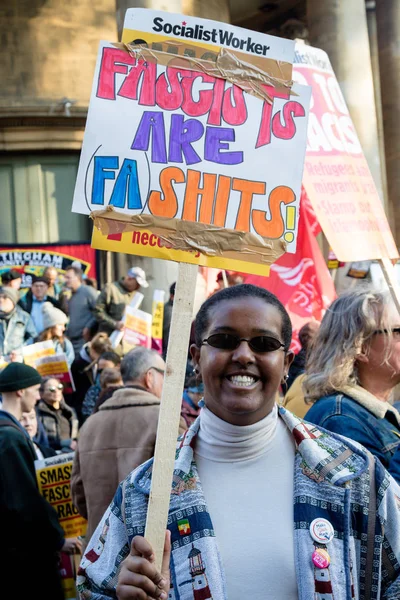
(55, 388)
(229, 341)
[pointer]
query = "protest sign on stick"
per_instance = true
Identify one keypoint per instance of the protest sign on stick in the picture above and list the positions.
(199, 159)
(336, 177)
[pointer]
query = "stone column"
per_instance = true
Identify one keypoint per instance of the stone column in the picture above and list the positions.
(340, 28)
(388, 27)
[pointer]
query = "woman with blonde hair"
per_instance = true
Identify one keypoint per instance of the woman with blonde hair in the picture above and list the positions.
(352, 369)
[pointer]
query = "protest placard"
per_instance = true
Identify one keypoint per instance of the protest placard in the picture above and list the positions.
(157, 320)
(34, 352)
(184, 164)
(336, 175)
(200, 153)
(54, 480)
(56, 366)
(137, 330)
(42, 356)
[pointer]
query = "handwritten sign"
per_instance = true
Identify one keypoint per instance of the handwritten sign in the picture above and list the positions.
(336, 175)
(178, 144)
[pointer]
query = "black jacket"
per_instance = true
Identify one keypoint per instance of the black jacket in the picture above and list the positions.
(31, 535)
(26, 302)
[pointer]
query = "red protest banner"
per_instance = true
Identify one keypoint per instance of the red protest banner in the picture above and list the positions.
(32, 259)
(301, 281)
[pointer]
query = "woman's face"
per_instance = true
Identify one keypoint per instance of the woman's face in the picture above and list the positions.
(240, 386)
(52, 391)
(59, 329)
(379, 359)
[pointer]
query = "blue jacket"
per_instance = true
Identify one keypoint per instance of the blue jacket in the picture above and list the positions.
(344, 415)
(333, 478)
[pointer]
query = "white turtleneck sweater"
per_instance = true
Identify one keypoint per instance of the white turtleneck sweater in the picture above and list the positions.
(247, 478)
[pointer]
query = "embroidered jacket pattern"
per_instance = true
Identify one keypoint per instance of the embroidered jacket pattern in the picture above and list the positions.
(333, 479)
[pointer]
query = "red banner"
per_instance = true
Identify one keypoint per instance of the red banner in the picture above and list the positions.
(301, 281)
(32, 259)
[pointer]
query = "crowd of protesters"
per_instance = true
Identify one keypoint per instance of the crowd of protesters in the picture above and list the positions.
(243, 402)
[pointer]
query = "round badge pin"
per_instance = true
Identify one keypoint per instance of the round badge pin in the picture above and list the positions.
(321, 558)
(322, 531)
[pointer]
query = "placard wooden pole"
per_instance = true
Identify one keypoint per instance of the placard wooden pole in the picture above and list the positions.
(224, 278)
(170, 408)
(391, 280)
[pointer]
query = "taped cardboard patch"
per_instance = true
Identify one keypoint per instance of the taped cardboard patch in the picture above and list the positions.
(193, 236)
(253, 77)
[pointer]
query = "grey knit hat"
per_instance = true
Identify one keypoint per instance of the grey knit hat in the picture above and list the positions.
(11, 293)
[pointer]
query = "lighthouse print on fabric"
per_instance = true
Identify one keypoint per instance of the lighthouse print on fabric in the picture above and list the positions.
(201, 590)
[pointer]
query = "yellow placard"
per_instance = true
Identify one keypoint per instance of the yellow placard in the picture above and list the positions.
(145, 243)
(54, 480)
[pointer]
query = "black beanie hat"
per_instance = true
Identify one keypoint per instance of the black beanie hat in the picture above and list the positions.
(18, 376)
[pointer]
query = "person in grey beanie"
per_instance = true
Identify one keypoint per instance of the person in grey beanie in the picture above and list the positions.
(16, 326)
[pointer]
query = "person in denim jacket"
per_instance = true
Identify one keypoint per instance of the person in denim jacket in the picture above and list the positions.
(16, 325)
(352, 369)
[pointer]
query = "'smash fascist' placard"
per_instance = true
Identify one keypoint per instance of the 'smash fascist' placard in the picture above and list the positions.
(54, 479)
(336, 174)
(172, 146)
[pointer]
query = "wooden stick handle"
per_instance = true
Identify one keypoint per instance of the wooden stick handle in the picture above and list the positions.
(170, 409)
(391, 280)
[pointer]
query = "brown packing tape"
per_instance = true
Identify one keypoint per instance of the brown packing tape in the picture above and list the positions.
(246, 71)
(188, 236)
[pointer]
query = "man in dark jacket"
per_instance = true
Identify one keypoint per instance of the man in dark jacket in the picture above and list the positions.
(33, 301)
(31, 536)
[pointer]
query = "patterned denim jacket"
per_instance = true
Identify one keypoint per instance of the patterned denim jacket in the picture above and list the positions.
(334, 478)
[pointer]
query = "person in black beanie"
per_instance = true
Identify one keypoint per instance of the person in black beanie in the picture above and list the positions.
(31, 536)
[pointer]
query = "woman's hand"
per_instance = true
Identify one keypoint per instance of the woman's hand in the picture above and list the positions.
(138, 578)
(72, 546)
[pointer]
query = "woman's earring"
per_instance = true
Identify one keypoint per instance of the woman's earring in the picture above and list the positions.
(284, 384)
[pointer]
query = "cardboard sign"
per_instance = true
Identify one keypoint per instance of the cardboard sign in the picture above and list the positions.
(54, 480)
(178, 147)
(157, 320)
(137, 330)
(336, 175)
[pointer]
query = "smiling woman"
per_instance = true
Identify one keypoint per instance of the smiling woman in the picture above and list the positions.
(256, 492)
